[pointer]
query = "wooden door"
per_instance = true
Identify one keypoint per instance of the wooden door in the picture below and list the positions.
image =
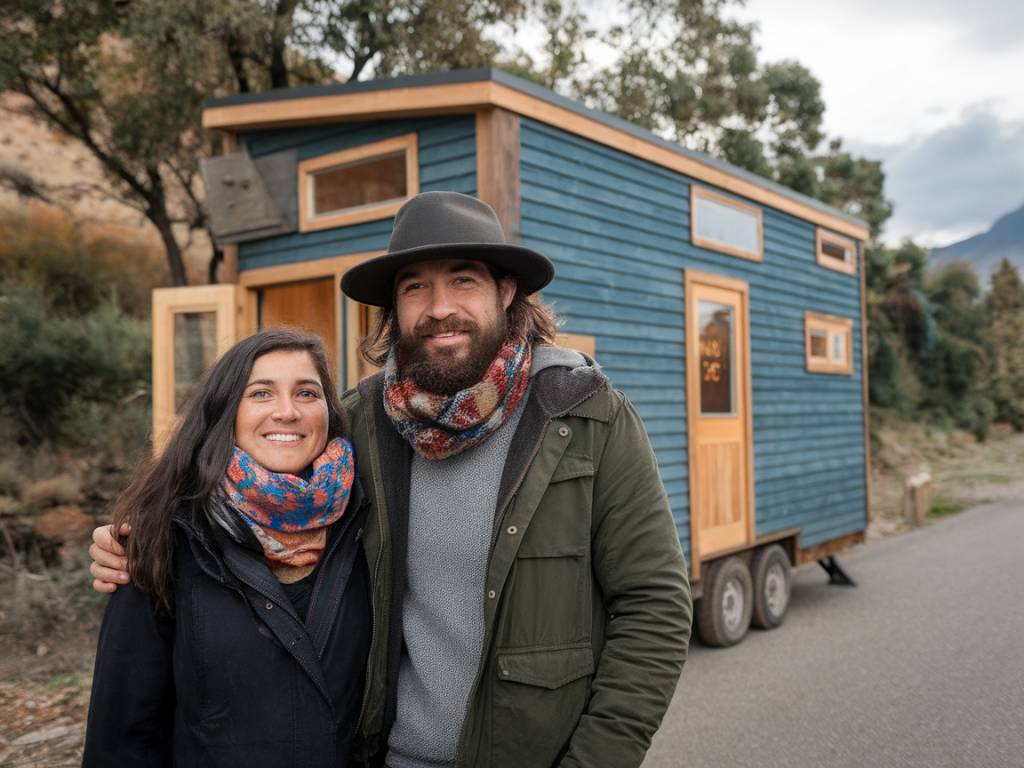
(718, 411)
(311, 305)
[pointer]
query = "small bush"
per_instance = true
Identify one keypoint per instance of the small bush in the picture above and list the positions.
(47, 362)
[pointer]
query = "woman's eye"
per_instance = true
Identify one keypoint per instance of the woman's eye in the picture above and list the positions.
(309, 394)
(259, 394)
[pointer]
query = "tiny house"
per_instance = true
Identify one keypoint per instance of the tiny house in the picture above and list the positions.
(728, 308)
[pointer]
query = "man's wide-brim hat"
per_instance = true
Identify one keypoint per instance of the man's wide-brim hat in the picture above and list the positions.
(445, 225)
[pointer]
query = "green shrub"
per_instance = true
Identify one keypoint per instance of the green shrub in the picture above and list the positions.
(46, 362)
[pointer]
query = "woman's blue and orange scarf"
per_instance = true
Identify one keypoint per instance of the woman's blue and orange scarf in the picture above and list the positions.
(289, 515)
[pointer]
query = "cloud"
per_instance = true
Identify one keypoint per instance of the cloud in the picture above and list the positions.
(954, 181)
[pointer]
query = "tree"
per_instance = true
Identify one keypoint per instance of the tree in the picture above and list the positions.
(1005, 305)
(127, 78)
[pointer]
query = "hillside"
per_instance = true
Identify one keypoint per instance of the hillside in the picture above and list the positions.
(30, 149)
(1004, 240)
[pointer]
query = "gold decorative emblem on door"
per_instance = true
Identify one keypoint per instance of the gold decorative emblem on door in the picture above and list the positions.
(718, 415)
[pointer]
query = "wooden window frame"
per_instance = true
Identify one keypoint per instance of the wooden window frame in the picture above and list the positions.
(308, 222)
(832, 325)
(696, 192)
(222, 301)
(849, 266)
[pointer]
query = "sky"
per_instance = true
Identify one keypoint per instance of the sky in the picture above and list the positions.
(934, 89)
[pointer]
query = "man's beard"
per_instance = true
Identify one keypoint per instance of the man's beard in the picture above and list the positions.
(438, 371)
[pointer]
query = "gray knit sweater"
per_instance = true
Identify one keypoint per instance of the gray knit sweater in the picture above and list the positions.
(451, 514)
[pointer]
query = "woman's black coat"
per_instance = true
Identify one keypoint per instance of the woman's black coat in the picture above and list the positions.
(234, 678)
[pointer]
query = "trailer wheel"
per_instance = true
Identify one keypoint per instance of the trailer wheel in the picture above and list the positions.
(723, 614)
(771, 573)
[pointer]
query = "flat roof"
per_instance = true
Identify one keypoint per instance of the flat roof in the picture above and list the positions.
(467, 90)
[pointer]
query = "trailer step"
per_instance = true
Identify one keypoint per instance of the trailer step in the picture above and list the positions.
(836, 574)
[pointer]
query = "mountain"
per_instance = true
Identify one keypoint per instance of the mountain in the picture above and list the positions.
(1005, 240)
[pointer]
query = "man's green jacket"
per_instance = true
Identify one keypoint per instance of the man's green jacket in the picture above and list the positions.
(587, 602)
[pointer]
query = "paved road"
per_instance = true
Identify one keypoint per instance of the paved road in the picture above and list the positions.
(922, 664)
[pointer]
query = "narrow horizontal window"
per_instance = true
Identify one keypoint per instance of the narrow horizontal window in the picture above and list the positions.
(364, 183)
(722, 224)
(829, 343)
(836, 252)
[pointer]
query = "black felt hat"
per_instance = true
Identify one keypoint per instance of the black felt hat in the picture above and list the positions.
(445, 225)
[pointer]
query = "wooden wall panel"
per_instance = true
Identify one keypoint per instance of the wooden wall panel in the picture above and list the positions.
(309, 305)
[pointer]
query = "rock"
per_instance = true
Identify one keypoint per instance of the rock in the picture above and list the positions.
(45, 734)
(65, 523)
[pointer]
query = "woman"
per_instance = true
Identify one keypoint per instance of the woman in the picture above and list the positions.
(242, 640)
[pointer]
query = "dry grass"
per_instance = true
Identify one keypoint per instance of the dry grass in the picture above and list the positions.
(964, 473)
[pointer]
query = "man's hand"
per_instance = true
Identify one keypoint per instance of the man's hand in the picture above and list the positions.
(110, 566)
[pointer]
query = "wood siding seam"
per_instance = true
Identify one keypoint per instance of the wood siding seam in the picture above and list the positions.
(309, 222)
(497, 166)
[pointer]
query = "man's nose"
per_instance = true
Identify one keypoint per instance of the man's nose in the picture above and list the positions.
(441, 305)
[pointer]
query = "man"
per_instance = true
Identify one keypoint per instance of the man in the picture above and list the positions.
(530, 600)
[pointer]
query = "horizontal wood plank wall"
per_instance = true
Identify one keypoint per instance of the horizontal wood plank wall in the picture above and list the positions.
(447, 160)
(618, 230)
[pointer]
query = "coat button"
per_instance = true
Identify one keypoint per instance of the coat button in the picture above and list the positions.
(504, 673)
(269, 605)
(563, 431)
(491, 595)
(512, 530)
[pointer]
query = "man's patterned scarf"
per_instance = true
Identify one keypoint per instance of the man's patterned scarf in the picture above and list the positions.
(288, 515)
(439, 426)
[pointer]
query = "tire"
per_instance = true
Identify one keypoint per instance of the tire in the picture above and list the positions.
(771, 573)
(723, 614)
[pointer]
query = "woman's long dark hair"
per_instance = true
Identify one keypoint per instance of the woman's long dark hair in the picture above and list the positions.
(183, 478)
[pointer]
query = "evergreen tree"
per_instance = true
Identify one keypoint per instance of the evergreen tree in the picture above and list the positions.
(1005, 305)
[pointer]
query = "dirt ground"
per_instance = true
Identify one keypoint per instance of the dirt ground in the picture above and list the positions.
(46, 663)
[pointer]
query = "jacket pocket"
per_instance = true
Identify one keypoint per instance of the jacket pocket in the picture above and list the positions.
(539, 697)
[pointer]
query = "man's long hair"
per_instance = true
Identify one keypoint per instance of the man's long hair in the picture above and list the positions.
(527, 317)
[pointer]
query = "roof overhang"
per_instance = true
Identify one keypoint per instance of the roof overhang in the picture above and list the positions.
(471, 91)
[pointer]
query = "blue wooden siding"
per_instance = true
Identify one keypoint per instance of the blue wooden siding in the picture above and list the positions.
(447, 159)
(617, 229)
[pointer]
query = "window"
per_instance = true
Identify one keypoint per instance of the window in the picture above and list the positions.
(364, 183)
(723, 224)
(828, 343)
(836, 252)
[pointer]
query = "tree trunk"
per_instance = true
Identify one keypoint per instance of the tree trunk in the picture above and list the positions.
(175, 261)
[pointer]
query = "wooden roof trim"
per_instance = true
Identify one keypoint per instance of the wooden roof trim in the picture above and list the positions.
(395, 102)
(466, 98)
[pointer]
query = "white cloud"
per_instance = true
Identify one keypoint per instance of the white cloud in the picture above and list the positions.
(955, 181)
(893, 68)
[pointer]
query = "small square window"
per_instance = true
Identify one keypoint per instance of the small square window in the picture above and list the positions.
(828, 343)
(364, 183)
(836, 252)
